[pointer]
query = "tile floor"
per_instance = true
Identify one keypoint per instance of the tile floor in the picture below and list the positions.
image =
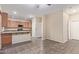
(38, 46)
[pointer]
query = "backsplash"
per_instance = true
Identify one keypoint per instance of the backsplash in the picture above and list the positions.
(16, 29)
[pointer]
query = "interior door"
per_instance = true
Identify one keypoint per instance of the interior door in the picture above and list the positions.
(39, 30)
(74, 30)
(39, 27)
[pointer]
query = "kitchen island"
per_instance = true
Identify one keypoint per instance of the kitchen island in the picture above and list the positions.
(13, 37)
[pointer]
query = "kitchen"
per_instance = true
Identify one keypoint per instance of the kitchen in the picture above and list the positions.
(13, 30)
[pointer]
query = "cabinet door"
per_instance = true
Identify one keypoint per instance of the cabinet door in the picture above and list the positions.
(4, 19)
(29, 24)
(13, 24)
(18, 38)
(6, 39)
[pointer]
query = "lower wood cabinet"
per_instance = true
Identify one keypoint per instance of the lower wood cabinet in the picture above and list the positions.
(6, 39)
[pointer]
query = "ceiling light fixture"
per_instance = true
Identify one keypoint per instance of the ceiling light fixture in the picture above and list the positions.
(38, 6)
(14, 12)
(49, 4)
(73, 10)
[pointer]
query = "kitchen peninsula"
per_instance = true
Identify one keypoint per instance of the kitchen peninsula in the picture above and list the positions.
(13, 31)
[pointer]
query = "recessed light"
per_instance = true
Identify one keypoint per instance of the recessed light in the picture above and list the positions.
(30, 16)
(73, 10)
(14, 12)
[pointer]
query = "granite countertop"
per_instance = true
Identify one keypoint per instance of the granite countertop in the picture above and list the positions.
(15, 32)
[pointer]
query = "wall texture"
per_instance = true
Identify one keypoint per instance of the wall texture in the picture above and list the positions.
(55, 26)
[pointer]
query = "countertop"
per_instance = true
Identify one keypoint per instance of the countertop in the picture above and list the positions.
(13, 32)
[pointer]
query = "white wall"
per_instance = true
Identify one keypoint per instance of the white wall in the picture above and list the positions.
(56, 26)
(65, 26)
(44, 26)
(33, 26)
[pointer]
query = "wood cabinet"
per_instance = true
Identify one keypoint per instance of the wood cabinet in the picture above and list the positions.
(4, 19)
(25, 24)
(6, 39)
(30, 24)
(14, 24)
(8, 22)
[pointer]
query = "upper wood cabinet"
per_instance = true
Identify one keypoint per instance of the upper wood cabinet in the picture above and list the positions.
(11, 23)
(4, 19)
(25, 24)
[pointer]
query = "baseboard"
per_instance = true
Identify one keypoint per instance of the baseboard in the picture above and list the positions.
(57, 41)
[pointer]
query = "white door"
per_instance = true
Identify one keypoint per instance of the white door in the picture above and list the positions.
(74, 30)
(39, 30)
(37, 27)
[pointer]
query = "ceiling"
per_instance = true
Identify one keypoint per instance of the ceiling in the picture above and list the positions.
(25, 10)
(29, 10)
